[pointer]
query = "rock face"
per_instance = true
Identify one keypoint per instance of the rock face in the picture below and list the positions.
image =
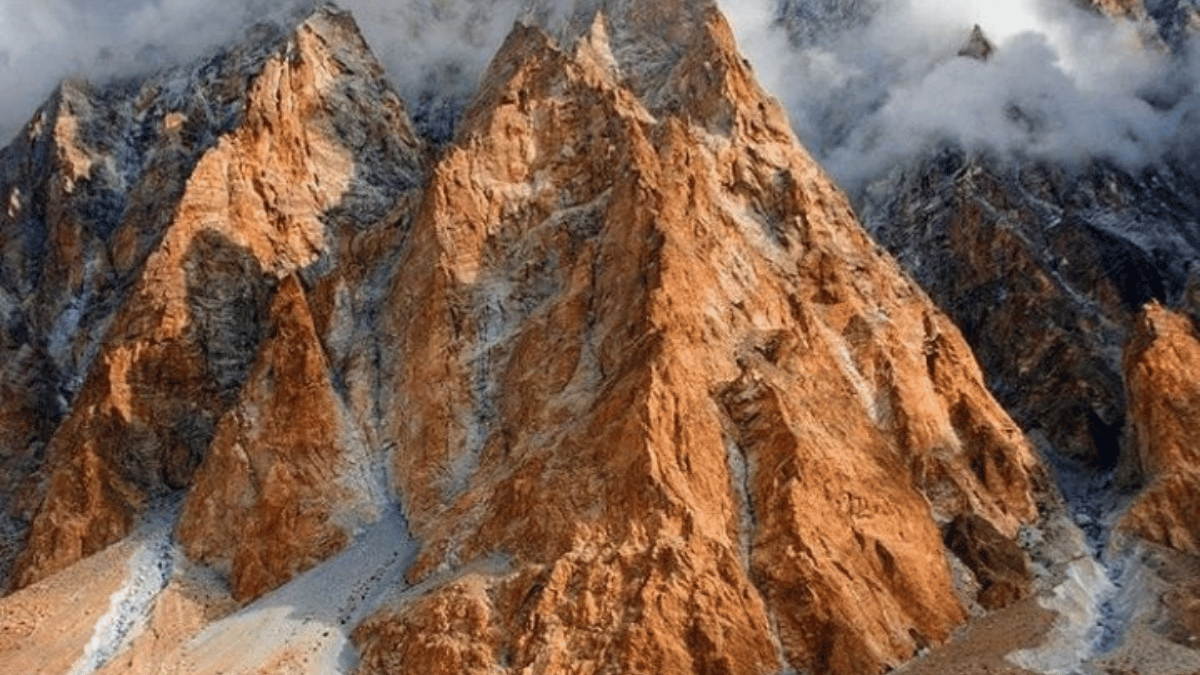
(1169, 21)
(1060, 277)
(634, 293)
(999, 564)
(280, 472)
(613, 382)
(1045, 270)
(200, 266)
(1162, 366)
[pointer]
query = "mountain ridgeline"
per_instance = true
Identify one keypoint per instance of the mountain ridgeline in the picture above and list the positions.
(611, 379)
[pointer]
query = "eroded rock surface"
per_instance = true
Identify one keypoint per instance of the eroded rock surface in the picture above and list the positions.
(1162, 365)
(319, 148)
(619, 359)
(633, 292)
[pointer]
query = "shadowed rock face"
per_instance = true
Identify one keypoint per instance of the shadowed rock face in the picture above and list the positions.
(998, 562)
(1045, 270)
(648, 397)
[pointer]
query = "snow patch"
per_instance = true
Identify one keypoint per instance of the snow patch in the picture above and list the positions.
(1075, 635)
(150, 570)
(14, 203)
(493, 327)
(66, 330)
(739, 475)
(1069, 554)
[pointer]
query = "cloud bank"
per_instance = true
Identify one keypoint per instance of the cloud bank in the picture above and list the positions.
(430, 47)
(868, 83)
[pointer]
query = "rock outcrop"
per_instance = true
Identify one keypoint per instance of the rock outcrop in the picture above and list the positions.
(280, 488)
(1168, 21)
(1045, 270)
(998, 563)
(1162, 368)
(317, 131)
(632, 292)
(614, 381)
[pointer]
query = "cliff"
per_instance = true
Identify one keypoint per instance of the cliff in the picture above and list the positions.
(613, 381)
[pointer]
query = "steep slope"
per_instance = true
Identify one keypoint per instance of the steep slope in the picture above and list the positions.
(1045, 269)
(1162, 364)
(643, 298)
(1057, 273)
(1160, 603)
(615, 383)
(261, 203)
(89, 187)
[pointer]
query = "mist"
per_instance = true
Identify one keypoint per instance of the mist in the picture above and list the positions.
(434, 50)
(877, 83)
(868, 83)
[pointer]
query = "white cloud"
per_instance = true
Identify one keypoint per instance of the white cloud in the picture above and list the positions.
(440, 43)
(1065, 83)
(873, 82)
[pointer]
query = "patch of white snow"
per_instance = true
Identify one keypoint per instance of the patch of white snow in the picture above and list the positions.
(1077, 630)
(150, 570)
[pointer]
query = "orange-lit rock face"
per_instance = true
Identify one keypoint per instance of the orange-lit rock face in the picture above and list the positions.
(1162, 369)
(253, 209)
(1122, 8)
(648, 397)
(280, 471)
(629, 291)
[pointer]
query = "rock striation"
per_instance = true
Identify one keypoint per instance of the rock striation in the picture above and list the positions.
(611, 381)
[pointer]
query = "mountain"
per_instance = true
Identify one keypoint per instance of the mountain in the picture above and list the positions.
(1076, 286)
(1058, 278)
(611, 380)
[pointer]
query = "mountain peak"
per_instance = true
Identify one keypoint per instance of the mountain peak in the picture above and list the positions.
(613, 381)
(246, 168)
(978, 46)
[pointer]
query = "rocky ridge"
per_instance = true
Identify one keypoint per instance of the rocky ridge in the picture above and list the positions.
(612, 381)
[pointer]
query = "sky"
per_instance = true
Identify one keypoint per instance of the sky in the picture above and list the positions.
(878, 81)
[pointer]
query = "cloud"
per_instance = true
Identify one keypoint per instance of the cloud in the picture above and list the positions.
(428, 46)
(41, 43)
(868, 91)
(868, 83)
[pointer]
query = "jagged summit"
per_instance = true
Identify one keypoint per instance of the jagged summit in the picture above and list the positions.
(610, 381)
(623, 276)
(211, 152)
(978, 46)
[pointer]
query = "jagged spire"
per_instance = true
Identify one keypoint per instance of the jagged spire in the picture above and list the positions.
(978, 47)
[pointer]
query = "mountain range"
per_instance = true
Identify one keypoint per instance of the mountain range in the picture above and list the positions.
(598, 371)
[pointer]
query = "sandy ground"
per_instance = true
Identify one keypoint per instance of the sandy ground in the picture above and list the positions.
(305, 626)
(982, 645)
(196, 629)
(45, 628)
(139, 608)
(193, 627)
(1162, 638)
